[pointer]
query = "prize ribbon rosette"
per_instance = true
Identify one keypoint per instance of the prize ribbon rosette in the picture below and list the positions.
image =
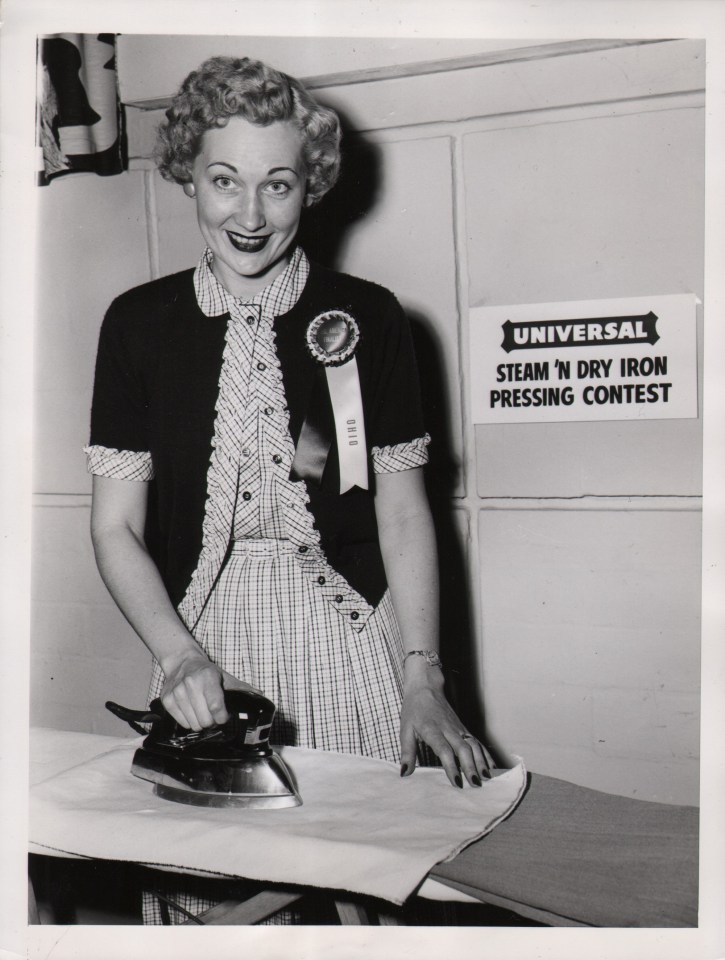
(332, 338)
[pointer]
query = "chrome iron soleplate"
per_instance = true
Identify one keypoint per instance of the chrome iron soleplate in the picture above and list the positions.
(261, 782)
(197, 798)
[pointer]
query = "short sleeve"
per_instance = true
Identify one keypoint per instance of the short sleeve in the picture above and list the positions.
(397, 435)
(119, 445)
(401, 456)
(118, 464)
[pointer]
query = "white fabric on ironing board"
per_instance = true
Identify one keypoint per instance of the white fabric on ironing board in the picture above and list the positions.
(361, 827)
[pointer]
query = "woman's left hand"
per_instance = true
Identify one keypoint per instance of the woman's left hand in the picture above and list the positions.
(427, 716)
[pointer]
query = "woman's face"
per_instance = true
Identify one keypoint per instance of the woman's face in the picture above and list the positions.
(250, 190)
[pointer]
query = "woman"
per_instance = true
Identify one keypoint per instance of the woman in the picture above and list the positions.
(286, 542)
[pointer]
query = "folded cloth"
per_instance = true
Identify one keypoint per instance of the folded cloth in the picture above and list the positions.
(361, 827)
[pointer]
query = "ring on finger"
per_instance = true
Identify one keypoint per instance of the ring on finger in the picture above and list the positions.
(467, 736)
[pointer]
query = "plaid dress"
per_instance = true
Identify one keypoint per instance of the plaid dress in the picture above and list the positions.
(279, 617)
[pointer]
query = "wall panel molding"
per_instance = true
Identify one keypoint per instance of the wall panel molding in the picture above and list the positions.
(667, 504)
(523, 54)
(628, 72)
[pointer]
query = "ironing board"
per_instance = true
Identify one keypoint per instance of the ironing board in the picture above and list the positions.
(567, 856)
(571, 856)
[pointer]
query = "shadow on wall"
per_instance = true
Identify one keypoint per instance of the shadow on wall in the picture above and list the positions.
(324, 227)
(458, 646)
(323, 234)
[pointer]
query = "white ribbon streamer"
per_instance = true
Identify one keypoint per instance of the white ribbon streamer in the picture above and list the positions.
(344, 385)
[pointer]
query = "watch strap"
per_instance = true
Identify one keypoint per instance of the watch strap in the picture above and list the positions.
(430, 656)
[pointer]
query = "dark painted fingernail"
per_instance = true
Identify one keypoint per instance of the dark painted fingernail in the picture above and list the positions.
(459, 782)
(487, 774)
(403, 769)
(476, 781)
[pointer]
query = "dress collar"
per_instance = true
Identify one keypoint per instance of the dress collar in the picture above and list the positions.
(277, 298)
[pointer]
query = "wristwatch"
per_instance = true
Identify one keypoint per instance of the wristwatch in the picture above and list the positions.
(430, 657)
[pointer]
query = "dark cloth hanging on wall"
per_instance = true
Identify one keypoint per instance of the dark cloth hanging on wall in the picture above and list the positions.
(79, 115)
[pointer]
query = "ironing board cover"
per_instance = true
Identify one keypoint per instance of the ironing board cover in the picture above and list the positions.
(361, 827)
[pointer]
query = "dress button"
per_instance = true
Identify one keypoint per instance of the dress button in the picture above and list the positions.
(269, 411)
(261, 366)
(246, 451)
(276, 458)
(339, 598)
(321, 581)
(302, 549)
(250, 320)
(354, 615)
(246, 495)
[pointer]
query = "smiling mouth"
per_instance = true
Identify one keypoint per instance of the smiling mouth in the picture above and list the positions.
(247, 244)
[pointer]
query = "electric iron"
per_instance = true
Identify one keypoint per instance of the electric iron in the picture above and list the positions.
(228, 765)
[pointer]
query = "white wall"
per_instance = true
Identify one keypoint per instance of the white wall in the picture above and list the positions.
(571, 176)
(92, 244)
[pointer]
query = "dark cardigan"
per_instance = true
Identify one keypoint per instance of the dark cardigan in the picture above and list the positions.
(156, 385)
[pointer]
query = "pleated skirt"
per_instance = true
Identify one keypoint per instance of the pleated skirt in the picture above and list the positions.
(335, 687)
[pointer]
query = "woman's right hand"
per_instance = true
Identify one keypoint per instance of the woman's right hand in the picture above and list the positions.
(193, 693)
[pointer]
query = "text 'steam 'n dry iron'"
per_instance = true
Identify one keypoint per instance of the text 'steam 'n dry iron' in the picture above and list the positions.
(229, 765)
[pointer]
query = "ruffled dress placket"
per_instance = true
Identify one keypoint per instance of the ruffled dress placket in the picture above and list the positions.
(249, 490)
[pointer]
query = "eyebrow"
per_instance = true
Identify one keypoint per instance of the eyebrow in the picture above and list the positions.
(223, 163)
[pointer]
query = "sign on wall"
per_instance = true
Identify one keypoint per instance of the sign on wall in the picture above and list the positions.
(620, 359)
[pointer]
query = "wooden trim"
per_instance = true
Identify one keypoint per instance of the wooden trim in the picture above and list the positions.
(544, 51)
(62, 500)
(602, 503)
(351, 913)
(253, 910)
(610, 503)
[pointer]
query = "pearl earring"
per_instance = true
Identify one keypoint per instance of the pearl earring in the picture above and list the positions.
(190, 190)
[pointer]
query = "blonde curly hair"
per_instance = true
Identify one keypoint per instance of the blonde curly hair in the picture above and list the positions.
(225, 87)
